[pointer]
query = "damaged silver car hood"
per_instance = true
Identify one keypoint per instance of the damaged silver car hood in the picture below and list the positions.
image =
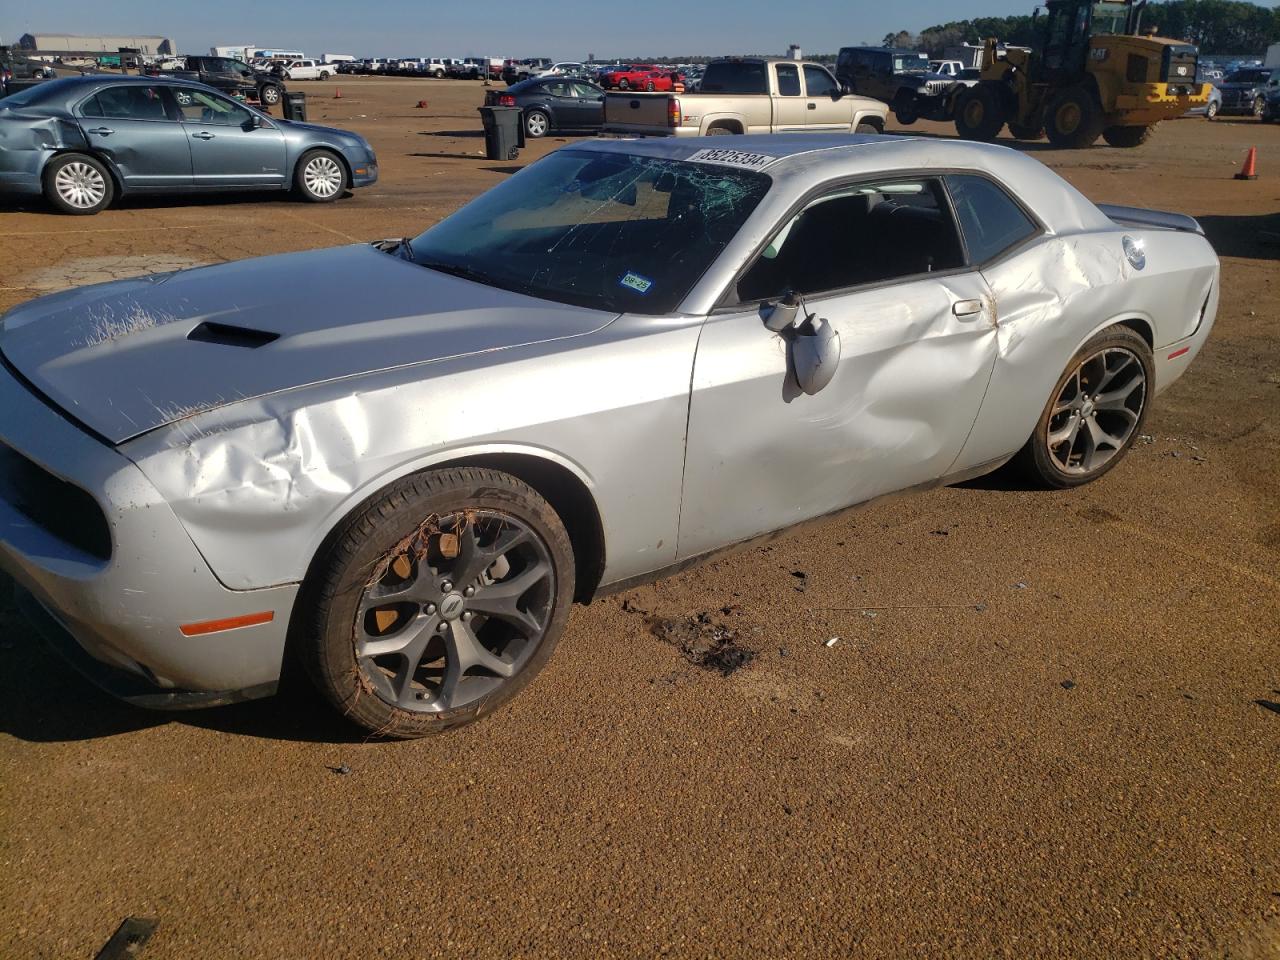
(129, 356)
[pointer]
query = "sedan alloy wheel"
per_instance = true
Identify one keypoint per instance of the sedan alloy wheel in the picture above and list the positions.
(80, 185)
(1097, 410)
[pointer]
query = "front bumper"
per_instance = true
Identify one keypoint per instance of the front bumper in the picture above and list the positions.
(364, 174)
(124, 606)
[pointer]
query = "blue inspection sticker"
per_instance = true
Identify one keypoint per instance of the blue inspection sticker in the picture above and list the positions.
(633, 281)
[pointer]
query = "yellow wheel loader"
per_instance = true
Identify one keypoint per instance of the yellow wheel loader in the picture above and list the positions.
(1092, 72)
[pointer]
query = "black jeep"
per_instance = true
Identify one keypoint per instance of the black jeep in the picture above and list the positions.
(901, 78)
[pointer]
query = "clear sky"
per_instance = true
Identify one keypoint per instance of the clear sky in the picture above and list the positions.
(561, 29)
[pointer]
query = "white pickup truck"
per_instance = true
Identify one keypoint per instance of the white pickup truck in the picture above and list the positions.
(741, 95)
(308, 70)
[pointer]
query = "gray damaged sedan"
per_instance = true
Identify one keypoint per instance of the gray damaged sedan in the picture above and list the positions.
(402, 462)
(83, 141)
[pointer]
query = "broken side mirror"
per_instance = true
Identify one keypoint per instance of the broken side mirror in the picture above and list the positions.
(815, 354)
(782, 314)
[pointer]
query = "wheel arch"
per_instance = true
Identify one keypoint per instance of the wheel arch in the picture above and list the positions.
(726, 121)
(117, 181)
(558, 480)
(327, 148)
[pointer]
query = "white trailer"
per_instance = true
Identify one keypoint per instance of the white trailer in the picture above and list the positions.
(1273, 56)
(337, 58)
(240, 52)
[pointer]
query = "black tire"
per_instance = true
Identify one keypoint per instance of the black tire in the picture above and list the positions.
(394, 542)
(320, 176)
(1073, 119)
(324, 74)
(1128, 136)
(624, 84)
(536, 124)
(904, 108)
(649, 86)
(866, 127)
(1037, 459)
(1020, 132)
(439, 75)
(79, 184)
(270, 94)
(980, 112)
(1211, 111)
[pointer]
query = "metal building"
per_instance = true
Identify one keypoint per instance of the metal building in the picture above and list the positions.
(64, 43)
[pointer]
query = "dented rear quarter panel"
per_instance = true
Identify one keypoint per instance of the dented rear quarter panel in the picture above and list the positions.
(27, 142)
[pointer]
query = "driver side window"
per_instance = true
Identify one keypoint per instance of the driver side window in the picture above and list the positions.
(858, 235)
(197, 106)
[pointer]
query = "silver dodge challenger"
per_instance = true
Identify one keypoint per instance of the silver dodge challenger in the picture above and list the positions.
(400, 463)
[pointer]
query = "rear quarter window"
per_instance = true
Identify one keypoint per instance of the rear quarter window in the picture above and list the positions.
(991, 220)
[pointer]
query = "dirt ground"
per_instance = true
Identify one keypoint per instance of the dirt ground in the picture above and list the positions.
(1050, 727)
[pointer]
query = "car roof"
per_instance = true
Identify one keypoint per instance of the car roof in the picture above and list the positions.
(778, 147)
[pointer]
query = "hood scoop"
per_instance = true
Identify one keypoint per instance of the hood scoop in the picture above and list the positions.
(231, 336)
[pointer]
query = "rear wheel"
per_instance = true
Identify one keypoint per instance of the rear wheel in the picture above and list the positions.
(649, 86)
(904, 108)
(1096, 410)
(1074, 119)
(1128, 136)
(720, 132)
(270, 94)
(324, 74)
(624, 84)
(1259, 107)
(78, 183)
(980, 112)
(536, 124)
(438, 602)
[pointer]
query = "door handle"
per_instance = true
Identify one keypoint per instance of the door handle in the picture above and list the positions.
(202, 135)
(967, 308)
(813, 106)
(103, 131)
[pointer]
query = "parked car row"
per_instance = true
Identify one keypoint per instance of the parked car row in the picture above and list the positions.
(465, 68)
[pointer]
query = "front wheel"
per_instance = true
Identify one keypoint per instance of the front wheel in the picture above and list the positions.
(1094, 413)
(1128, 136)
(536, 124)
(1259, 107)
(624, 84)
(324, 74)
(980, 113)
(320, 177)
(868, 128)
(438, 602)
(1211, 111)
(78, 183)
(1074, 120)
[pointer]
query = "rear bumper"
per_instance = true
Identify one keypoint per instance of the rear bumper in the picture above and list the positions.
(1153, 102)
(125, 605)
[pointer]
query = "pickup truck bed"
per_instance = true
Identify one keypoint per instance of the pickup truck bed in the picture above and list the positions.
(790, 97)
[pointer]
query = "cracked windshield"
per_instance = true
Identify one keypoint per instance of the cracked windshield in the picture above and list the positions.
(611, 232)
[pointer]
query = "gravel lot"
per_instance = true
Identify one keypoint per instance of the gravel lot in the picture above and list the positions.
(1050, 727)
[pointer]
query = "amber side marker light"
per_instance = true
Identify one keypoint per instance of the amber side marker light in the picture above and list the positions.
(229, 623)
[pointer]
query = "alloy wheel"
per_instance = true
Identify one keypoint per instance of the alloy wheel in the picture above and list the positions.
(454, 611)
(1096, 411)
(536, 124)
(81, 185)
(323, 176)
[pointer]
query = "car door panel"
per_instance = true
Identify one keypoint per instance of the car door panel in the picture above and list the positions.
(762, 456)
(136, 131)
(225, 153)
(823, 113)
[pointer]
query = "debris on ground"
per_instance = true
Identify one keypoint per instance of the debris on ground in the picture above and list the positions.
(832, 642)
(1020, 585)
(341, 769)
(783, 652)
(706, 644)
(1068, 684)
(128, 939)
(803, 577)
(980, 607)
(1146, 438)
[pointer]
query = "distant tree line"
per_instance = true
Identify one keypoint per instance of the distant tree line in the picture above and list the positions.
(1215, 26)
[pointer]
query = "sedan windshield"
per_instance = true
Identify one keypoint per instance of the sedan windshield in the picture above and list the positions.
(602, 230)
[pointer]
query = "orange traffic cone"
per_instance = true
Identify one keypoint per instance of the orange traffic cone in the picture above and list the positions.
(337, 94)
(1250, 169)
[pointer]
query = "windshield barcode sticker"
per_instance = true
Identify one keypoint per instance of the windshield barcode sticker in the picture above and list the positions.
(633, 281)
(733, 158)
